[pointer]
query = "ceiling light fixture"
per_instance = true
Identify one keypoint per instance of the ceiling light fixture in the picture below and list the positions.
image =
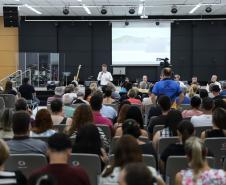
(195, 8)
(174, 9)
(66, 10)
(208, 9)
(103, 10)
(32, 9)
(132, 10)
(86, 9)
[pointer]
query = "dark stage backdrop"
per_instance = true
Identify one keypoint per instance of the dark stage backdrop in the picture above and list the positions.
(197, 47)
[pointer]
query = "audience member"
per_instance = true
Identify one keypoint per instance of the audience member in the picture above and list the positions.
(115, 95)
(21, 105)
(88, 93)
(80, 99)
(134, 113)
(108, 112)
(137, 173)
(57, 113)
(27, 91)
(21, 142)
(177, 79)
(96, 105)
(213, 81)
(43, 124)
(68, 109)
(219, 127)
(59, 151)
(83, 116)
(6, 130)
(174, 117)
(195, 108)
(199, 172)
(165, 105)
(131, 127)
(93, 87)
(223, 92)
(206, 118)
(203, 93)
(194, 80)
(9, 178)
(186, 100)
(193, 90)
(167, 87)
(88, 141)
(122, 115)
(132, 97)
(185, 129)
(9, 88)
(59, 92)
(127, 151)
(71, 90)
(215, 90)
(107, 95)
(144, 84)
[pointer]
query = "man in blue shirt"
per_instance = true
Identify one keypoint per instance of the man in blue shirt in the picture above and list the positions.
(167, 87)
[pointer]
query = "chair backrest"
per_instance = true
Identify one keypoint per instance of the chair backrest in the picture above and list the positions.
(26, 163)
(113, 144)
(175, 164)
(114, 105)
(147, 108)
(164, 142)
(199, 130)
(157, 128)
(106, 130)
(59, 128)
(149, 160)
(2, 103)
(91, 164)
(9, 100)
(218, 147)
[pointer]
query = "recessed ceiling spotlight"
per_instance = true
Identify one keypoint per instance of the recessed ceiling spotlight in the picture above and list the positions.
(208, 9)
(103, 11)
(66, 10)
(132, 10)
(174, 9)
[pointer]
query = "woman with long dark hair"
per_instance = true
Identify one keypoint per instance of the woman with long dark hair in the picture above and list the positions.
(88, 141)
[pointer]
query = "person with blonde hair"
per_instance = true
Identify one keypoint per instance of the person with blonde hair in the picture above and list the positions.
(199, 173)
(9, 178)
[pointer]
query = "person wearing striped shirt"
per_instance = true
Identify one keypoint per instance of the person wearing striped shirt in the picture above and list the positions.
(9, 178)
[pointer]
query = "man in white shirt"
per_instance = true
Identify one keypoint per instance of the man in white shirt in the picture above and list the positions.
(214, 82)
(104, 76)
(206, 118)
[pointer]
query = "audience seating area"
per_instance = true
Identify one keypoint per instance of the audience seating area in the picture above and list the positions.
(138, 128)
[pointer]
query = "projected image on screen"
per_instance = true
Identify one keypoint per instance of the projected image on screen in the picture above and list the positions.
(140, 43)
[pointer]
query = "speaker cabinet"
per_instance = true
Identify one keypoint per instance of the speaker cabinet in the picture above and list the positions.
(11, 18)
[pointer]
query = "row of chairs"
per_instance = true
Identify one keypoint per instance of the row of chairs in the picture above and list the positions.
(198, 130)
(27, 163)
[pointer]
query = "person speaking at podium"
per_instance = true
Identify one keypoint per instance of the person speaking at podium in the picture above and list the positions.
(104, 76)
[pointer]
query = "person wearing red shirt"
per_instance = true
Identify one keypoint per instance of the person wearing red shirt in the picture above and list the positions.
(59, 152)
